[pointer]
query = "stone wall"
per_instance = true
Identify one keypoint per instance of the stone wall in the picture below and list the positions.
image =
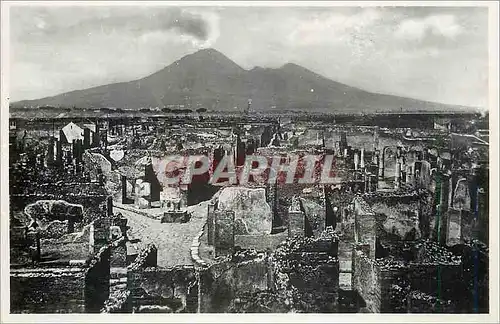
(146, 258)
(366, 280)
(118, 257)
(47, 290)
(252, 213)
(65, 287)
(165, 290)
(315, 213)
(401, 220)
(365, 225)
(92, 197)
(97, 280)
(259, 242)
(223, 281)
(224, 232)
(306, 273)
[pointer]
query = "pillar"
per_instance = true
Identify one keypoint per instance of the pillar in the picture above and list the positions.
(86, 138)
(109, 205)
(362, 162)
(397, 175)
(381, 166)
(124, 189)
(50, 152)
(369, 183)
(58, 151)
(450, 191)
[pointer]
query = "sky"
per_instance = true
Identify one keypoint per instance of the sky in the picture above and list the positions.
(431, 53)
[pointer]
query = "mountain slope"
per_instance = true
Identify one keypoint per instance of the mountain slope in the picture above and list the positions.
(209, 79)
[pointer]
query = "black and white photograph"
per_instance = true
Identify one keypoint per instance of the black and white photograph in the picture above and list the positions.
(251, 157)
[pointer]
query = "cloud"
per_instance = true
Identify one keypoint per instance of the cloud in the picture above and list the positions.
(333, 26)
(30, 25)
(444, 25)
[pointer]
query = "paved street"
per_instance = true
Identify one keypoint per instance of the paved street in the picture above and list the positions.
(173, 240)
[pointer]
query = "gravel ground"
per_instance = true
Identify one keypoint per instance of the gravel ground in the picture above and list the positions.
(173, 240)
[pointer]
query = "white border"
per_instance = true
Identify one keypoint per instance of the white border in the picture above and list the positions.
(238, 318)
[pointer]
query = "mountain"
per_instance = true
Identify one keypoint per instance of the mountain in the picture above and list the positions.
(209, 79)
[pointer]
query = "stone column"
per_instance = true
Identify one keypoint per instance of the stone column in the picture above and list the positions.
(381, 165)
(109, 205)
(397, 175)
(450, 191)
(369, 183)
(86, 138)
(362, 162)
(124, 189)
